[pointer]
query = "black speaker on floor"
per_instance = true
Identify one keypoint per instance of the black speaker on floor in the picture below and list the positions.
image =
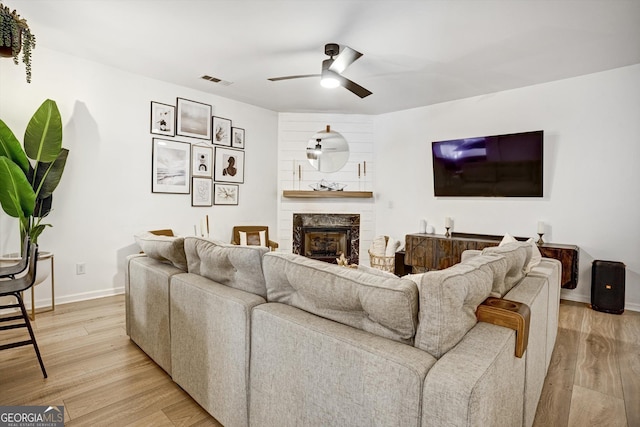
(607, 286)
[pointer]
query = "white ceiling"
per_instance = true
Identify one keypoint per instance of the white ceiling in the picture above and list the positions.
(416, 53)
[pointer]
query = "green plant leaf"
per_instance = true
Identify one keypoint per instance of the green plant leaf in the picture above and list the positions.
(10, 147)
(16, 195)
(48, 175)
(43, 137)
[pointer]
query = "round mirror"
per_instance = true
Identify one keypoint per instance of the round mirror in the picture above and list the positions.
(328, 151)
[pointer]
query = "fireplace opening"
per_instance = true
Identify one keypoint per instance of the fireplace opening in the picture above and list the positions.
(326, 244)
(326, 236)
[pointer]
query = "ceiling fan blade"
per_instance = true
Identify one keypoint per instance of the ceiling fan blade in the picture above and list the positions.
(345, 58)
(354, 87)
(301, 76)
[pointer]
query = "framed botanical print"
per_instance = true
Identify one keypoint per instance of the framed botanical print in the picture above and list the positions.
(201, 194)
(229, 165)
(193, 119)
(170, 166)
(221, 131)
(201, 161)
(225, 194)
(163, 119)
(237, 137)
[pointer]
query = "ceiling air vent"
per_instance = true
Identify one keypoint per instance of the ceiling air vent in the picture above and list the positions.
(216, 80)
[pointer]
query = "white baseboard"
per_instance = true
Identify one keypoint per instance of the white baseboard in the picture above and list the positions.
(587, 300)
(81, 296)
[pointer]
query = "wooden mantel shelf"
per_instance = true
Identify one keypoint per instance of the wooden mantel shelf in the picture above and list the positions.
(327, 194)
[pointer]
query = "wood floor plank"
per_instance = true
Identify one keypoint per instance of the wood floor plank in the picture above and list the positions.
(188, 413)
(598, 368)
(592, 408)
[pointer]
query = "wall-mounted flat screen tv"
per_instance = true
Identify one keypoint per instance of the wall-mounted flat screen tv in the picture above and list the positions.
(489, 166)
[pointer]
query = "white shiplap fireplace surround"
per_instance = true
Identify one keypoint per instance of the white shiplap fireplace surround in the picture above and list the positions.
(296, 173)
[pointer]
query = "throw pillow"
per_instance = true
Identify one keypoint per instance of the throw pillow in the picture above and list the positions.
(379, 246)
(392, 247)
(536, 256)
(167, 249)
(253, 238)
(508, 238)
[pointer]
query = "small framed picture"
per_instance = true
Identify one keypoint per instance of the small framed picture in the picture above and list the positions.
(201, 194)
(170, 166)
(229, 165)
(237, 137)
(221, 131)
(193, 119)
(201, 161)
(225, 194)
(163, 119)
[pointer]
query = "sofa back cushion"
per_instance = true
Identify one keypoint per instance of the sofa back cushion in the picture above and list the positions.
(385, 306)
(239, 267)
(448, 302)
(497, 265)
(517, 255)
(166, 249)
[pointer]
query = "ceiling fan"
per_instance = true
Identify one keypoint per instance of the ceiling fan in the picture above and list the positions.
(332, 69)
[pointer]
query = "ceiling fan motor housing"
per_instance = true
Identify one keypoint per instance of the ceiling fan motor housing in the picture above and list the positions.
(331, 49)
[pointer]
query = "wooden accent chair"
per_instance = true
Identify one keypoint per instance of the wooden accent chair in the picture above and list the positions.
(252, 236)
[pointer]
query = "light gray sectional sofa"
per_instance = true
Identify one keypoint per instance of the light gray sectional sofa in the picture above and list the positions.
(272, 339)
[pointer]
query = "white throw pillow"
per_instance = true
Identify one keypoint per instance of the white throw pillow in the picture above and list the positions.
(253, 238)
(392, 247)
(508, 238)
(378, 246)
(536, 256)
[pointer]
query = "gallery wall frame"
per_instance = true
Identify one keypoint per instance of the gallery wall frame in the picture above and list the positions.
(229, 165)
(201, 194)
(201, 161)
(237, 137)
(221, 131)
(170, 166)
(163, 119)
(193, 119)
(225, 194)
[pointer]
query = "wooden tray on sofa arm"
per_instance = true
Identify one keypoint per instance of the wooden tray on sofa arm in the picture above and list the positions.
(510, 314)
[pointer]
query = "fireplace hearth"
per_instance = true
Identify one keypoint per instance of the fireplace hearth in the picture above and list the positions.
(326, 236)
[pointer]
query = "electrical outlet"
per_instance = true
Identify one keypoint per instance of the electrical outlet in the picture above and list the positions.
(81, 268)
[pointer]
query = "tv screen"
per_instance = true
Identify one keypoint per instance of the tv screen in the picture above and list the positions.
(489, 166)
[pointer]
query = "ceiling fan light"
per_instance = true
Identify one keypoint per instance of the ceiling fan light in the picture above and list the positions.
(329, 79)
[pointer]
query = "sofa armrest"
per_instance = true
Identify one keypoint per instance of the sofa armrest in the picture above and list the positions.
(510, 314)
(479, 382)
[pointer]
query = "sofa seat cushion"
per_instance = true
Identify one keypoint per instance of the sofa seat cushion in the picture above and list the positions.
(167, 249)
(448, 302)
(385, 306)
(518, 255)
(239, 267)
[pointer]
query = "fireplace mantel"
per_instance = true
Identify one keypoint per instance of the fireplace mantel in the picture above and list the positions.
(327, 194)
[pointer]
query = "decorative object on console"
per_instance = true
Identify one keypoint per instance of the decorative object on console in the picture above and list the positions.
(423, 226)
(229, 165)
(221, 131)
(448, 223)
(16, 37)
(163, 119)
(327, 150)
(237, 137)
(225, 194)
(193, 119)
(170, 166)
(540, 232)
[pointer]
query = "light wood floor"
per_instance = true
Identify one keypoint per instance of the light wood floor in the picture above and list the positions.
(102, 378)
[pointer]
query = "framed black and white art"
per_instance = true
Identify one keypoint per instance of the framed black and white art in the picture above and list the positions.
(221, 131)
(170, 166)
(163, 119)
(237, 137)
(229, 165)
(225, 194)
(201, 161)
(193, 119)
(201, 194)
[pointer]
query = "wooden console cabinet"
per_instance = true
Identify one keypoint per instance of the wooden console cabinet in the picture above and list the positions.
(424, 252)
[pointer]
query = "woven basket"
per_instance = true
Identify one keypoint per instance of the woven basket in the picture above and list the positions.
(384, 263)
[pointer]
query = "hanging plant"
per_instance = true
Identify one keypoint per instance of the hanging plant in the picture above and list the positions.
(15, 36)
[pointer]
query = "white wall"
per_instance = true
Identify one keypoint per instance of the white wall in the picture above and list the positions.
(294, 132)
(105, 196)
(591, 170)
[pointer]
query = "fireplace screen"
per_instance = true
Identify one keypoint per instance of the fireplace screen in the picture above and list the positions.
(323, 243)
(326, 236)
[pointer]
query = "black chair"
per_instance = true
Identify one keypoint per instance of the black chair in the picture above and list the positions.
(14, 287)
(12, 270)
